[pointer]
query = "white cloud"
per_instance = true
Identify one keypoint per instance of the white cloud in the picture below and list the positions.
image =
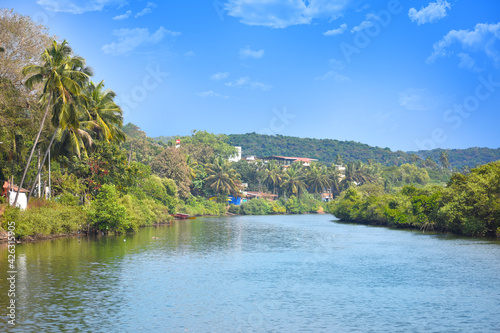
(281, 14)
(336, 65)
(467, 62)
(433, 12)
(123, 16)
(148, 9)
(210, 93)
(78, 6)
(367, 23)
(333, 75)
(249, 53)
(246, 82)
(335, 32)
(484, 38)
(129, 39)
(417, 99)
(219, 76)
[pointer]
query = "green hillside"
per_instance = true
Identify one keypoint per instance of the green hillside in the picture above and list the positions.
(326, 150)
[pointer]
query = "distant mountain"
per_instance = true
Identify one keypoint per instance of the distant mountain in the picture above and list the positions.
(326, 150)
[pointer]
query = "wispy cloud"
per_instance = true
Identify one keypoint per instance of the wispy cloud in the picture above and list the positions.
(148, 9)
(189, 54)
(333, 75)
(123, 16)
(335, 32)
(281, 14)
(483, 38)
(219, 76)
(467, 62)
(433, 12)
(129, 39)
(78, 6)
(246, 82)
(210, 93)
(417, 99)
(246, 52)
(367, 23)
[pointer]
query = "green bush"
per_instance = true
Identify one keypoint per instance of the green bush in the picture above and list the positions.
(258, 206)
(45, 220)
(235, 209)
(106, 214)
(198, 206)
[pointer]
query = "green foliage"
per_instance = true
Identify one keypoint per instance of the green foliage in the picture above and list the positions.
(326, 150)
(50, 219)
(198, 206)
(469, 205)
(234, 209)
(106, 214)
(257, 206)
(162, 190)
(143, 212)
(171, 163)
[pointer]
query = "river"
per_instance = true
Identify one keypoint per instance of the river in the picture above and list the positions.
(303, 273)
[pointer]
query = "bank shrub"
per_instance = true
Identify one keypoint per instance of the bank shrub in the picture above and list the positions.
(198, 206)
(234, 209)
(257, 206)
(45, 220)
(107, 214)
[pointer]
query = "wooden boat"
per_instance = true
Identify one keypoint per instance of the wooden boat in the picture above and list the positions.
(181, 216)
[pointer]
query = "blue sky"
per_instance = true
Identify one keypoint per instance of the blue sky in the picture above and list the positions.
(406, 75)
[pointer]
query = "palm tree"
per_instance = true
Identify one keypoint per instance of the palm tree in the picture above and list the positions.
(60, 83)
(293, 180)
(359, 174)
(443, 159)
(273, 175)
(101, 109)
(335, 179)
(317, 178)
(222, 178)
(192, 166)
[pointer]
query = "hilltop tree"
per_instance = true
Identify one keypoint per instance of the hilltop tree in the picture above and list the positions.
(171, 163)
(443, 159)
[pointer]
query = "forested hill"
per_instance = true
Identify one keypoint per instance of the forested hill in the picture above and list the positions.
(324, 150)
(327, 149)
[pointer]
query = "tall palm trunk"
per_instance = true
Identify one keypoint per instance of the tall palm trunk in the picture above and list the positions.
(43, 162)
(32, 151)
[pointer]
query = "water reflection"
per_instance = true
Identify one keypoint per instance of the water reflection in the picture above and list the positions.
(257, 274)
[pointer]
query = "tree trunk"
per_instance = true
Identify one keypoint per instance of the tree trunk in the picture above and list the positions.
(32, 151)
(44, 159)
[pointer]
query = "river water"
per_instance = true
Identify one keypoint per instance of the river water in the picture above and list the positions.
(304, 273)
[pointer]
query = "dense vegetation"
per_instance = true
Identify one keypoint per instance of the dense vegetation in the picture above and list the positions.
(109, 177)
(468, 205)
(326, 150)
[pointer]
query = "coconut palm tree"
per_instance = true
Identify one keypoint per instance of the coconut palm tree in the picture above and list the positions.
(359, 174)
(106, 116)
(293, 180)
(273, 175)
(222, 178)
(317, 178)
(61, 82)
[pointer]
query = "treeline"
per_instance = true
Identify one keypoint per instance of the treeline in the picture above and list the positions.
(326, 150)
(49, 104)
(468, 205)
